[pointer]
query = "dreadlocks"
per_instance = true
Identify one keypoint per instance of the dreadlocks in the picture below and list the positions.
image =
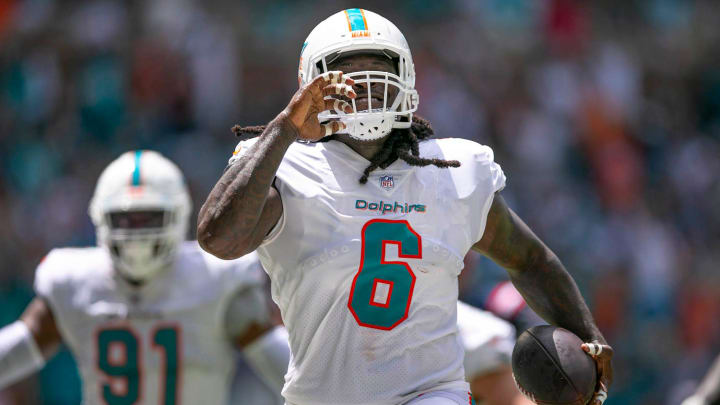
(401, 143)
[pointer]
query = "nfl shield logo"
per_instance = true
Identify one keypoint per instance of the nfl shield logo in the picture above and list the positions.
(387, 182)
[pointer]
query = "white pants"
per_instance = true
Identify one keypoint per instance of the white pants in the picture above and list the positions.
(442, 398)
(438, 398)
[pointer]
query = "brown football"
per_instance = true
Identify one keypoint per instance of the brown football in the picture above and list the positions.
(551, 368)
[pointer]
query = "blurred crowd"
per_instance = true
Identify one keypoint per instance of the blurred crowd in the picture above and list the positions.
(604, 115)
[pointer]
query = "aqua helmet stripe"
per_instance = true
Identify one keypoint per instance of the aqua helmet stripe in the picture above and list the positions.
(356, 19)
(136, 172)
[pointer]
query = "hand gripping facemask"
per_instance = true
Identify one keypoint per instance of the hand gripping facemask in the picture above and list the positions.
(362, 31)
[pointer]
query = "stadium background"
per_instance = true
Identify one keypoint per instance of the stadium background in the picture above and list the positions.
(605, 117)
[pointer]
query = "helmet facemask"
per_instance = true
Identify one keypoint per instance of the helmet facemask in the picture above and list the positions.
(386, 101)
(141, 242)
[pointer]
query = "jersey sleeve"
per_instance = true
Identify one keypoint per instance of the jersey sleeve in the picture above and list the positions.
(52, 281)
(241, 149)
(488, 340)
(489, 179)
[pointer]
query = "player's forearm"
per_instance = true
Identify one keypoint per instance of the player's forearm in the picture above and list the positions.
(536, 272)
(228, 221)
(20, 355)
(551, 292)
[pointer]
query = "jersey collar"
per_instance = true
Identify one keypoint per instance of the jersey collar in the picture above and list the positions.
(357, 161)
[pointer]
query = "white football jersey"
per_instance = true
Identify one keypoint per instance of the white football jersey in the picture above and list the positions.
(365, 275)
(488, 340)
(166, 343)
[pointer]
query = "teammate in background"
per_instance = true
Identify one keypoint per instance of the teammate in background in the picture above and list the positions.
(488, 343)
(708, 392)
(505, 302)
(363, 228)
(149, 318)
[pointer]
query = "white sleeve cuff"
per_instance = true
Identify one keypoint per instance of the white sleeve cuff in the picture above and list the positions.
(19, 353)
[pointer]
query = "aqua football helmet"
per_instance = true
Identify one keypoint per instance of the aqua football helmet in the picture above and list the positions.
(141, 209)
(357, 31)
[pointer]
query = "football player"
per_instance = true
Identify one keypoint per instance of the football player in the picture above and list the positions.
(149, 317)
(488, 342)
(364, 224)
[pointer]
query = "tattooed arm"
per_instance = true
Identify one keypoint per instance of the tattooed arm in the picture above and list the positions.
(536, 272)
(543, 281)
(243, 206)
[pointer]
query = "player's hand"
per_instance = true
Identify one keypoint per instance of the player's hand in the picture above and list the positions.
(319, 95)
(602, 354)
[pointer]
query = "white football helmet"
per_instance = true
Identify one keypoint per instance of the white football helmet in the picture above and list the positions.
(357, 30)
(141, 209)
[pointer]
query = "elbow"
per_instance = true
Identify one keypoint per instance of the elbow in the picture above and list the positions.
(221, 248)
(225, 247)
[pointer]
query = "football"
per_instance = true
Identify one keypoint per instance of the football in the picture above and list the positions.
(550, 367)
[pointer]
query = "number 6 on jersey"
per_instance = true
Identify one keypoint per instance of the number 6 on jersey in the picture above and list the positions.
(382, 290)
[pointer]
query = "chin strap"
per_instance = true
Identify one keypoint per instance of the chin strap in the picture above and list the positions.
(20, 356)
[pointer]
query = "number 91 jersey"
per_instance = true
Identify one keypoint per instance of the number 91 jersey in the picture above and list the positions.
(365, 275)
(167, 343)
